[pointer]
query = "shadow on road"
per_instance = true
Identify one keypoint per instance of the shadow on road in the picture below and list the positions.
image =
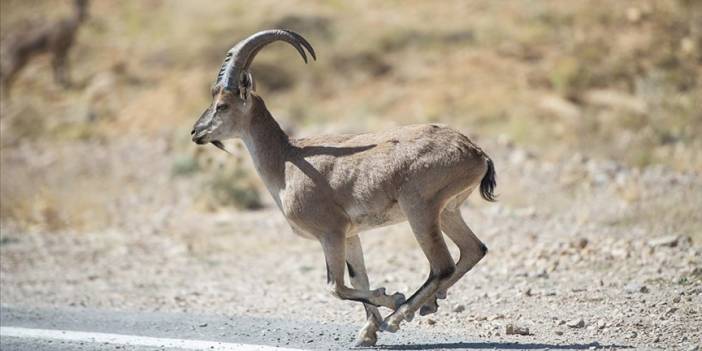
(500, 346)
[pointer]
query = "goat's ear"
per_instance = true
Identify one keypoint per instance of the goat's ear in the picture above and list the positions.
(246, 85)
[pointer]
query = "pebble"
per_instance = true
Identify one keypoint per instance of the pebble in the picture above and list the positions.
(581, 243)
(634, 287)
(576, 323)
(431, 321)
(459, 308)
(676, 299)
(512, 329)
(558, 332)
(667, 241)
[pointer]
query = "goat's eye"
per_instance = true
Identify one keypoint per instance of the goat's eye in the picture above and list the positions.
(222, 107)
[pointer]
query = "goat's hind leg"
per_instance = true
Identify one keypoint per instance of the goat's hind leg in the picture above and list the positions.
(471, 249)
(425, 225)
(367, 336)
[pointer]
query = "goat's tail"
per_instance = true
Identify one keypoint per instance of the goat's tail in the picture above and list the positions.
(488, 184)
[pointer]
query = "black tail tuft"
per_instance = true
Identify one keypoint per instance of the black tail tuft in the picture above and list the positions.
(488, 184)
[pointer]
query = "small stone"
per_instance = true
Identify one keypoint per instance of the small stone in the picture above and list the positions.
(528, 292)
(558, 332)
(576, 323)
(667, 241)
(512, 329)
(581, 243)
(601, 324)
(635, 287)
(676, 299)
(631, 335)
(431, 321)
(459, 308)
(202, 325)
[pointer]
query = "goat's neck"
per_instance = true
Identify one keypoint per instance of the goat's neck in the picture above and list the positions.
(268, 145)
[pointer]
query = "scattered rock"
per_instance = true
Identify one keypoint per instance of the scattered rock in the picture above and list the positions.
(631, 335)
(601, 324)
(635, 287)
(431, 321)
(676, 299)
(202, 325)
(576, 323)
(668, 241)
(542, 274)
(459, 308)
(581, 243)
(558, 332)
(512, 329)
(528, 292)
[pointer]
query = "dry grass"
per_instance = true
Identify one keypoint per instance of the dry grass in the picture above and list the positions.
(608, 79)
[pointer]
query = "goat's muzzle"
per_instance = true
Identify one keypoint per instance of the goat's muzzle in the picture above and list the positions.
(198, 137)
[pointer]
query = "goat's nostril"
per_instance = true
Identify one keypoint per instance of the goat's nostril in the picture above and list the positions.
(192, 132)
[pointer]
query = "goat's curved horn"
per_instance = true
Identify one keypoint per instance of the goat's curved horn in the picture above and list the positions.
(240, 57)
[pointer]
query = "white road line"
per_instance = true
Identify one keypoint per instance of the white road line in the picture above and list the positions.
(132, 340)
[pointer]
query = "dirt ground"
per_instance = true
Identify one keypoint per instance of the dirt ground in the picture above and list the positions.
(580, 251)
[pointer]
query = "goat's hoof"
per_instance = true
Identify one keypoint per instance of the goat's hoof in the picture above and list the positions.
(428, 308)
(365, 341)
(399, 299)
(409, 317)
(390, 327)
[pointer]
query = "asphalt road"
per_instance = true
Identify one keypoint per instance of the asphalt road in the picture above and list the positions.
(23, 328)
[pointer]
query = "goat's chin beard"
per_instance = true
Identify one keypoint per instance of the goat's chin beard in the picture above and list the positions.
(219, 145)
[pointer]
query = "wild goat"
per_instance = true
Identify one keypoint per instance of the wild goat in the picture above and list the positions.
(53, 38)
(332, 187)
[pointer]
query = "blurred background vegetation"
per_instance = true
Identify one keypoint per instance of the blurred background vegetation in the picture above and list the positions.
(617, 80)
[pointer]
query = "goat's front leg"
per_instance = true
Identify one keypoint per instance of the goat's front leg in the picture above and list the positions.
(367, 336)
(334, 246)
